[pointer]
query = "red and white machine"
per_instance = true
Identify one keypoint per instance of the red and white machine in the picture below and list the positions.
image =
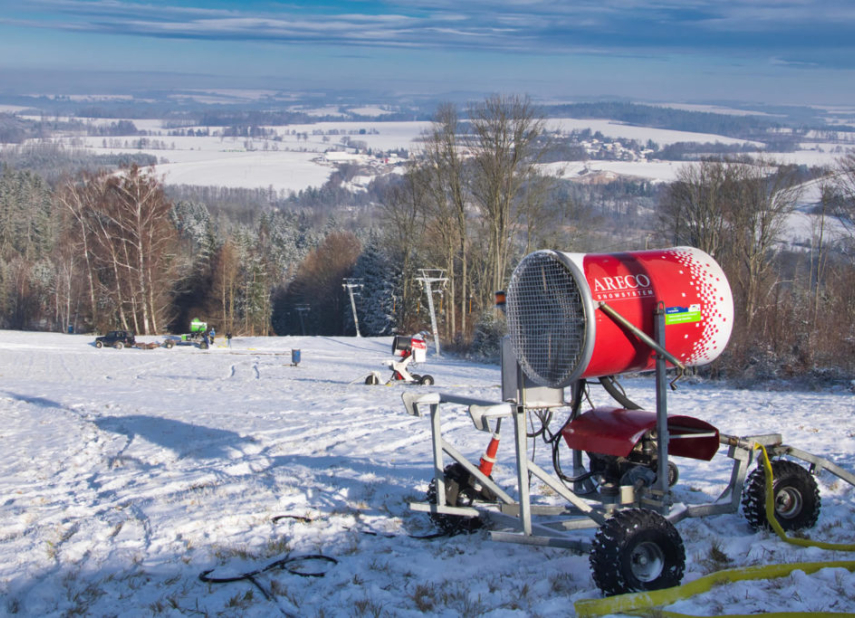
(579, 319)
(561, 329)
(407, 351)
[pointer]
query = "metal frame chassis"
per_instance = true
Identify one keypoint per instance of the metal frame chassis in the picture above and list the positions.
(590, 512)
(583, 512)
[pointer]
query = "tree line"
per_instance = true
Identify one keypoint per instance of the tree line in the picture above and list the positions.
(97, 250)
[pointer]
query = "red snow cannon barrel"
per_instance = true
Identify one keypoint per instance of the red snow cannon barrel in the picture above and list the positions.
(560, 334)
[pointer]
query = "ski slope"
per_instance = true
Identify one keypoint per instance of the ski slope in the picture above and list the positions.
(124, 475)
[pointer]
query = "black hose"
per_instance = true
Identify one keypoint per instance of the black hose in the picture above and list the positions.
(614, 389)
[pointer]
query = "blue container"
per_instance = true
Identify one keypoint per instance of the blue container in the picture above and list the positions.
(295, 357)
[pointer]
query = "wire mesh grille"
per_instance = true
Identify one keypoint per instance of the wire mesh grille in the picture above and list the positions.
(546, 319)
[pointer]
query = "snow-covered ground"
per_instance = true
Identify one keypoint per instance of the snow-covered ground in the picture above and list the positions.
(615, 129)
(126, 474)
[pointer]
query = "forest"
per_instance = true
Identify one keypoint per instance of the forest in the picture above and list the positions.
(89, 244)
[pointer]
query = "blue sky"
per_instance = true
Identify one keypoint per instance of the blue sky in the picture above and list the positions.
(768, 51)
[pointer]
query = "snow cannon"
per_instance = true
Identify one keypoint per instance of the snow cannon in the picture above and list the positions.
(575, 316)
(407, 351)
(403, 347)
(584, 315)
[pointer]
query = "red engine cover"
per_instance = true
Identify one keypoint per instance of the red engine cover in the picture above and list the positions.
(616, 431)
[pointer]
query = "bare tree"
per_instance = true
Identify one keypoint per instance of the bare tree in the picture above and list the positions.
(148, 240)
(506, 143)
(843, 190)
(79, 198)
(695, 207)
(126, 242)
(444, 169)
(404, 208)
(766, 193)
(226, 279)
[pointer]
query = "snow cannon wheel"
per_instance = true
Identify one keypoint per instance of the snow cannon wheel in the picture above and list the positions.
(203, 345)
(635, 551)
(169, 345)
(797, 501)
(417, 378)
(458, 492)
(372, 380)
(426, 380)
(673, 474)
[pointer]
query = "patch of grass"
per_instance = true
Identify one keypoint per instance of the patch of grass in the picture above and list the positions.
(367, 607)
(715, 559)
(241, 601)
(276, 547)
(424, 597)
(82, 598)
(457, 599)
(278, 589)
(563, 583)
(224, 552)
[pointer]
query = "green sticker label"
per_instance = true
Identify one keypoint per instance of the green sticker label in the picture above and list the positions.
(683, 315)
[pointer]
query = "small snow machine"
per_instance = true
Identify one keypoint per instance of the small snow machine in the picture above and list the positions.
(575, 320)
(407, 351)
(198, 335)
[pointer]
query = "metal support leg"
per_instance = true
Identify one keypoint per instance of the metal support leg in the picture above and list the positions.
(436, 437)
(522, 469)
(662, 413)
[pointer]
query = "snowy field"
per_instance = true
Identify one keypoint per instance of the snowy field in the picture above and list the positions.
(126, 474)
(295, 160)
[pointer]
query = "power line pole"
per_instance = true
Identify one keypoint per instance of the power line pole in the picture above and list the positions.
(428, 277)
(301, 309)
(351, 285)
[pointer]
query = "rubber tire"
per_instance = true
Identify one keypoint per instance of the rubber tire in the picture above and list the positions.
(118, 345)
(426, 380)
(372, 380)
(617, 546)
(203, 345)
(99, 344)
(456, 479)
(417, 378)
(790, 481)
(673, 474)
(169, 345)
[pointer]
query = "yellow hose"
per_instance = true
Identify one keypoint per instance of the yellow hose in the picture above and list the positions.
(770, 513)
(637, 602)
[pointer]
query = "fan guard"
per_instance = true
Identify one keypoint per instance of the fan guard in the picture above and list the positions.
(550, 311)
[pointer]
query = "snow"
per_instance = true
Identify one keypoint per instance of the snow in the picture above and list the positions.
(126, 474)
(657, 171)
(713, 109)
(12, 109)
(370, 110)
(663, 137)
(283, 171)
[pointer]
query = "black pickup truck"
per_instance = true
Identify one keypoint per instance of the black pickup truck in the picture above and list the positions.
(116, 339)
